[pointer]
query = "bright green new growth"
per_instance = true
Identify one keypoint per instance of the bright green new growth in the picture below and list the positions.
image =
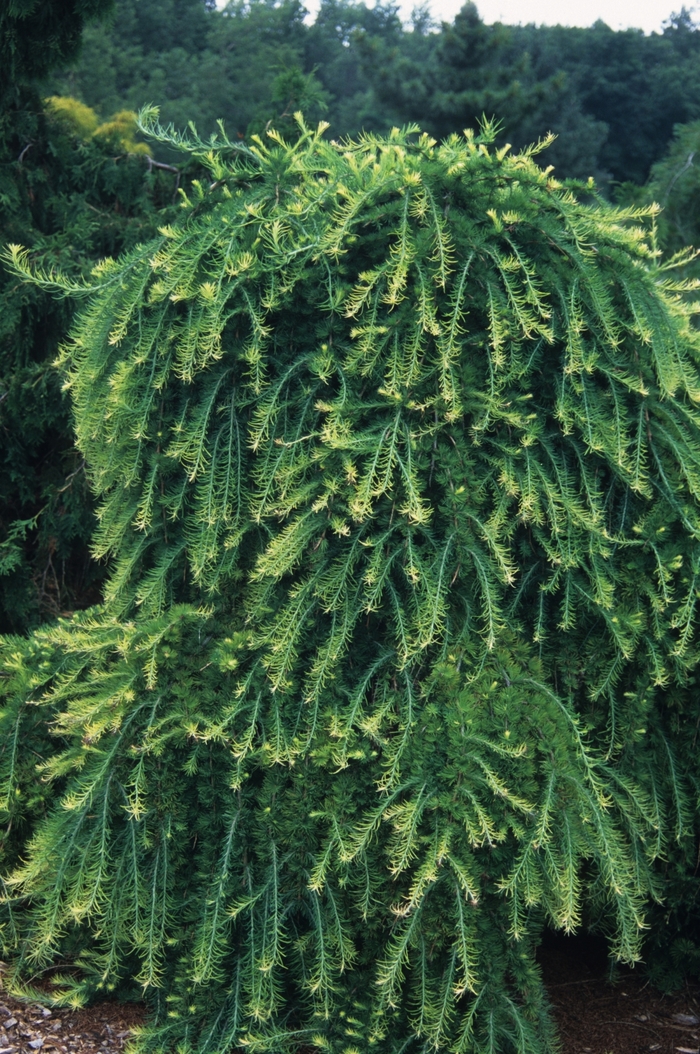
(397, 452)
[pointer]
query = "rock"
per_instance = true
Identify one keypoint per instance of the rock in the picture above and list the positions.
(686, 1019)
(11, 1022)
(37, 1044)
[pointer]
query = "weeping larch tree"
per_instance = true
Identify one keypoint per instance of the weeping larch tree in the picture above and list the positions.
(397, 458)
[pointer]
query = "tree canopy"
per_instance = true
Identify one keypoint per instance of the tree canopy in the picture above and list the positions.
(611, 97)
(74, 188)
(38, 35)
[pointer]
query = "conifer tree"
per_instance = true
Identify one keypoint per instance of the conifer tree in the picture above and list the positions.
(38, 35)
(397, 458)
(71, 196)
(74, 189)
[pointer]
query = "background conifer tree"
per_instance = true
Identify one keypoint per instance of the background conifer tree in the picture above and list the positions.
(611, 97)
(38, 35)
(73, 188)
(72, 195)
(397, 458)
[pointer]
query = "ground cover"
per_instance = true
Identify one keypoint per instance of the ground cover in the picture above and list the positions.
(596, 1014)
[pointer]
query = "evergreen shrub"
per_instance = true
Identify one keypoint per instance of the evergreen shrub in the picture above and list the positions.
(396, 452)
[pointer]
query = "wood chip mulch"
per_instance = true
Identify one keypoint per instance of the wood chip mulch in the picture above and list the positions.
(26, 1028)
(626, 1016)
(594, 1015)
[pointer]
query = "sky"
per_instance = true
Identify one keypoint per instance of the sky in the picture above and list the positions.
(619, 14)
(648, 15)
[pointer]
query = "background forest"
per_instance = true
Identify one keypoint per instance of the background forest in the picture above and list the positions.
(612, 98)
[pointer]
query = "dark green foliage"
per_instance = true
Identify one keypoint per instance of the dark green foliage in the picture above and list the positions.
(197, 66)
(674, 184)
(72, 190)
(508, 71)
(640, 87)
(612, 98)
(348, 40)
(396, 450)
(38, 35)
(71, 201)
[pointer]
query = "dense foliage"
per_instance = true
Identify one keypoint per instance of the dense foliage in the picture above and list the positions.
(73, 202)
(396, 452)
(73, 189)
(71, 184)
(38, 35)
(611, 97)
(674, 184)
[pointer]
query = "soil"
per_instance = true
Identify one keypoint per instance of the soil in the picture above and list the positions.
(624, 1016)
(595, 1015)
(104, 1028)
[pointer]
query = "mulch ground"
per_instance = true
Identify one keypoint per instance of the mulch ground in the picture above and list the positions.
(594, 1015)
(626, 1016)
(26, 1028)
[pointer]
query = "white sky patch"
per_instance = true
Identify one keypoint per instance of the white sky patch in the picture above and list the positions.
(648, 15)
